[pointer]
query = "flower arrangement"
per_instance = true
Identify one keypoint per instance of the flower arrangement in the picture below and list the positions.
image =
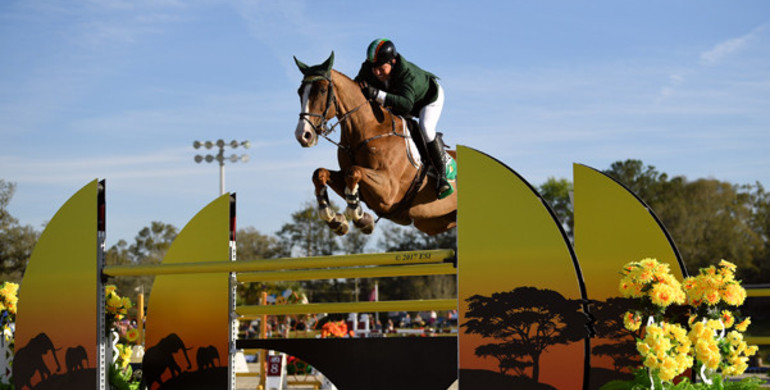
(667, 348)
(334, 329)
(8, 301)
(116, 306)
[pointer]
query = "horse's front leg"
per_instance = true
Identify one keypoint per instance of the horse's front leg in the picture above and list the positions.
(376, 183)
(321, 178)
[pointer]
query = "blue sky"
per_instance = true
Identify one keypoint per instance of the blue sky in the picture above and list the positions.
(120, 89)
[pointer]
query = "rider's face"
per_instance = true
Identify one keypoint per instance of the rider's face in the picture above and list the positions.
(382, 72)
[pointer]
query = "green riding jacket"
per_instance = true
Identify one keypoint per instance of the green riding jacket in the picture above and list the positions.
(410, 88)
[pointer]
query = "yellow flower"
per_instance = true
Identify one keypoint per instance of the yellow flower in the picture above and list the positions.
(727, 265)
(132, 334)
(743, 325)
(109, 289)
(662, 295)
(632, 321)
(733, 294)
(643, 348)
(114, 301)
(711, 297)
(727, 318)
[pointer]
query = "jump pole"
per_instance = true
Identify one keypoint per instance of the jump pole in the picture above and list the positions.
(290, 263)
(247, 312)
(349, 273)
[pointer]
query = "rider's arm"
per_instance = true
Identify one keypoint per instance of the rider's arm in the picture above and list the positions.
(401, 96)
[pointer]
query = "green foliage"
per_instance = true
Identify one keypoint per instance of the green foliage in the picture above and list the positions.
(557, 193)
(706, 218)
(123, 379)
(150, 245)
(16, 241)
(641, 381)
(307, 235)
(395, 238)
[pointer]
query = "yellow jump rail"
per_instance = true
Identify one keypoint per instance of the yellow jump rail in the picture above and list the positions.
(347, 273)
(291, 263)
(347, 307)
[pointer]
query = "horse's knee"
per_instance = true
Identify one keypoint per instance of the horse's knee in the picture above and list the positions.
(321, 176)
(353, 177)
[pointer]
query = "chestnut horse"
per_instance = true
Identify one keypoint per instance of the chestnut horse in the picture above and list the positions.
(377, 163)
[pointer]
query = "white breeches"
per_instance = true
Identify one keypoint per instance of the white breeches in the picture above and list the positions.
(430, 114)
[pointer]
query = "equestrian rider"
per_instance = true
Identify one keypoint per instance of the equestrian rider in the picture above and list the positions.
(408, 90)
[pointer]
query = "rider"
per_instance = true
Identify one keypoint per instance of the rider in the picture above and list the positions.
(408, 90)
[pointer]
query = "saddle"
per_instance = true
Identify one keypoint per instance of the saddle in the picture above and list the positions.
(419, 141)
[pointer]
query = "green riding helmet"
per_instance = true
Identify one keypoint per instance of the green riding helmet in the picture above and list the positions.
(380, 51)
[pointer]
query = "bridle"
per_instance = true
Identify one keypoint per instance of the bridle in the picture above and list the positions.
(323, 129)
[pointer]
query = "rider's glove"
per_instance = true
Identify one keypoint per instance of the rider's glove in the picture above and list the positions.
(369, 92)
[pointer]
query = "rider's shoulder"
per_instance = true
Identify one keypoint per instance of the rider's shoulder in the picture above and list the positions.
(410, 69)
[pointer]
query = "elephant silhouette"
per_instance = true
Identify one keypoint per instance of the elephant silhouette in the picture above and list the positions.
(74, 358)
(29, 359)
(160, 357)
(205, 357)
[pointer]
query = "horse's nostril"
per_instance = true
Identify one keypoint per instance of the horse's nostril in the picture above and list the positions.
(307, 136)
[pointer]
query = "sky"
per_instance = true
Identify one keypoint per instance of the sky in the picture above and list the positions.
(120, 89)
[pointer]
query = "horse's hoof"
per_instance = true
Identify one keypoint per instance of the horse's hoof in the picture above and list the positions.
(339, 225)
(342, 229)
(365, 223)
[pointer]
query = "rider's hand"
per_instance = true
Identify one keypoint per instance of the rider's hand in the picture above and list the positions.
(368, 91)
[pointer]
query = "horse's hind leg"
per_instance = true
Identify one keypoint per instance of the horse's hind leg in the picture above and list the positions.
(321, 178)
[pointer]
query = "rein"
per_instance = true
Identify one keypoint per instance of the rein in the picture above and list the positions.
(323, 128)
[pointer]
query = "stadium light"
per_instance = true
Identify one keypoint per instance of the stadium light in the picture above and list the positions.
(220, 157)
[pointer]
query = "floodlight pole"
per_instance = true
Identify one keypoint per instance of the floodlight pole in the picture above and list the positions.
(220, 156)
(221, 159)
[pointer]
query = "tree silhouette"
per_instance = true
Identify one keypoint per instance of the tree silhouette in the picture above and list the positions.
(525, 321)
(616, 341)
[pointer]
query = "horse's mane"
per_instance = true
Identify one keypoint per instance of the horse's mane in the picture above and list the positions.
(380, 112)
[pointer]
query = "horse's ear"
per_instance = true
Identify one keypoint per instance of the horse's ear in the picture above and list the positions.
(302, 67)
(327, 65)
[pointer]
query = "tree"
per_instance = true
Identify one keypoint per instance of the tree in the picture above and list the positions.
(253, 245)
(150, 245)
(524, 322)
(16, 241)
(396, 238)
(614, 340)
(307, 235)
(760, 222)
(556, 193)
(707, 219)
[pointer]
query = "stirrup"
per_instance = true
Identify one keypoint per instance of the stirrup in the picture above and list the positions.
(444, 188)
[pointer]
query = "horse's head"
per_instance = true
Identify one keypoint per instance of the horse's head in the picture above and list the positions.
(316, 94)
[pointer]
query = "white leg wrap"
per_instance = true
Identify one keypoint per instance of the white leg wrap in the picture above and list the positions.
(325, 213)
(353, 211)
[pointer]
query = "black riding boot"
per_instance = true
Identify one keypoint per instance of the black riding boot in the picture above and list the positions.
(444, 165)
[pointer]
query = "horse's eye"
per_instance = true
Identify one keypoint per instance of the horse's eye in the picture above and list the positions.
(322, 90)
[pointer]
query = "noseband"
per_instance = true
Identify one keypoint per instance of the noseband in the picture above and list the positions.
(323, 128)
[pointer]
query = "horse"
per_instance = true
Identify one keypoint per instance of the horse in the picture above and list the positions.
(377, 164)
